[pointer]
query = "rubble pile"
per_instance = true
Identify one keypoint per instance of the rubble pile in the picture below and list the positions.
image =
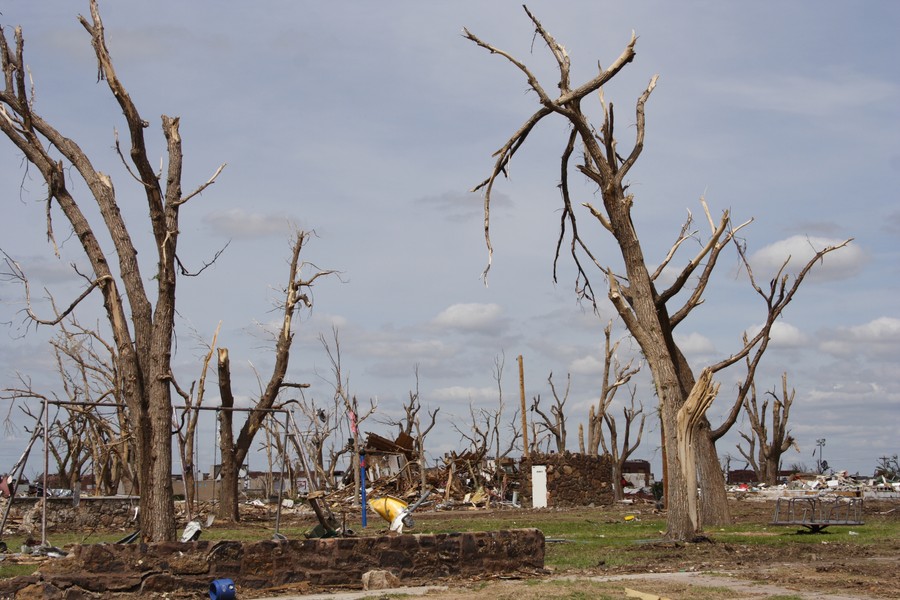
(469, 481)
(810, 484)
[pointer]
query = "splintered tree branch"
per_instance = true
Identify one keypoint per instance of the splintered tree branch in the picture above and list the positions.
(641, 128)
(566, 104)
(684, 235)
(504, 155)
(689, 417)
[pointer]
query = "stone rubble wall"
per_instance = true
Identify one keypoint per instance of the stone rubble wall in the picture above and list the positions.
(168, 567)
(572, 479)
(92, 512)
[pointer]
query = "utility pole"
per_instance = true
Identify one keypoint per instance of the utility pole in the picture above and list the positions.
(820, 464)
(525, 452)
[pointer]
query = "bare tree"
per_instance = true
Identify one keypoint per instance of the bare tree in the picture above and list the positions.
(555, 422)
(324, 432)
(234, 452)
(615, 375)
(643, 307)
(410, 425)
(406, 425)
(90, 426)
(349, 405)
(772, 444)
(142, 321)
(620, 454)
(185, 426)
(484, 432)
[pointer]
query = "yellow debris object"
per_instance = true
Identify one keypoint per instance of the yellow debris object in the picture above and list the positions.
(387, 507)
(629, 517)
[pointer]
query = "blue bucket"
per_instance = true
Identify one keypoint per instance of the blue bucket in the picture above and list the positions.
(221, 589)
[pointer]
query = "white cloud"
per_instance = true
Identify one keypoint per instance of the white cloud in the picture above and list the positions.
(695, 344)
(468, 206)
(237, 223)
(408, 350)
(470, 317)
(783, 335)
(586, 365)
(839, 264)
(463, 394)
(878, 337)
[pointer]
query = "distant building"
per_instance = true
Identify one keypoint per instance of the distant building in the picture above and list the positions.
(637, 473)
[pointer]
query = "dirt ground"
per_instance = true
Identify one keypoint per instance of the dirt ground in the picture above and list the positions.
(830, 568)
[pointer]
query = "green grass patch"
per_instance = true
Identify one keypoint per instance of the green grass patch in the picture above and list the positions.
(590, 542)
(15, 570)
(584, 539)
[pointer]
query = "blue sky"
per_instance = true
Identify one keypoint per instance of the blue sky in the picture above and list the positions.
(369, 123)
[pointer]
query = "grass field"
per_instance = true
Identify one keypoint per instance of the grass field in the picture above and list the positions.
(590, 542)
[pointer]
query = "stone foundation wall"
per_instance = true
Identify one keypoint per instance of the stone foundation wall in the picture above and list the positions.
(101, 512)
(175, 566)
(572, 479)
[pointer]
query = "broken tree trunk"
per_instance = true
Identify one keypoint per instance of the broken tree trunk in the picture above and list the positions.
(228, 508)
(689, 417)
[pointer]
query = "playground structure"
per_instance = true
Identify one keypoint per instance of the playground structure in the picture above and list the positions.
(818, 512)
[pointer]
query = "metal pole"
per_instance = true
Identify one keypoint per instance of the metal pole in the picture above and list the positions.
(524, 413)
(281, 479)
(215, 446)
(16, 474)
(46, 468)
(362, 484)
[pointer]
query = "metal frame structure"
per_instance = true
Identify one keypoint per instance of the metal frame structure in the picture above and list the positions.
(46, 432)
(818, 512)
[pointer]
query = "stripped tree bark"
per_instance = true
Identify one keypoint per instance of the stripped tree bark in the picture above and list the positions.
(322, 426)
(484, 433)
(643, 307)
(688, 418)
(90, 428)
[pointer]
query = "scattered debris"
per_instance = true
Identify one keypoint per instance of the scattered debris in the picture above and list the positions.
(395, 511)
(379, 580)
(130, 538)
(191, 532)
(48, 551)
(812, 484)
(222, 589)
